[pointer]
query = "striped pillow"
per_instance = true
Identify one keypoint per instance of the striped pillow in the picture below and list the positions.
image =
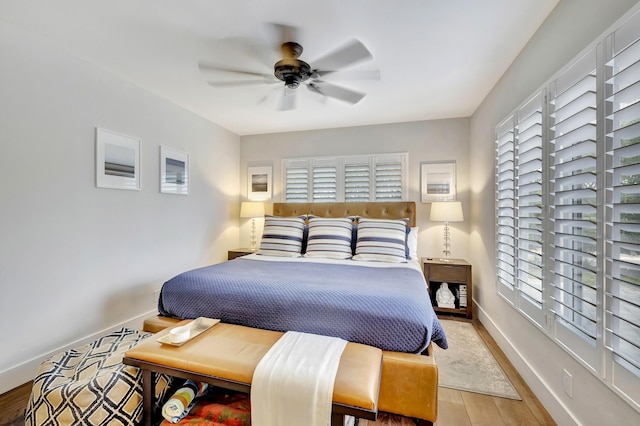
(381, 240)
(329, 238)
(282, 236)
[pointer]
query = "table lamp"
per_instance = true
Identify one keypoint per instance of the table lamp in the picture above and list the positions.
(252, 209)
(446, 211)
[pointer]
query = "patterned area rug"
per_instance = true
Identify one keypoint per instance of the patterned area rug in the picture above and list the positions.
(468, 365)
(386, 419)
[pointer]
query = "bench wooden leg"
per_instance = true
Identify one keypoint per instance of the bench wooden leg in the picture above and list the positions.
(147, 397)
(337, 419)
(340, 419)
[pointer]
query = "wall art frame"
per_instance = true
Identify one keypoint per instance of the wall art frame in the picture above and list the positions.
(259, 183)
(437, 181)
(117, 160)
(174, 171)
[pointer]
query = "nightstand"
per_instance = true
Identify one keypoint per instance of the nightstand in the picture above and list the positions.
(232, 254)
(457, 274)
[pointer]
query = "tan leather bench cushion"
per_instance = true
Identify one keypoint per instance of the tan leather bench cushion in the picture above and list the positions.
(232, 352)
(158, 323)
(408, 385)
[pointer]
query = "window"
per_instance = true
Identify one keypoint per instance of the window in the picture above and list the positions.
(296, 178)
(324, 179)
(529, 214)
(568, 209)
(381, 177)
(357, 178)
(574, 192)
(622, 233)
(506, 208)
(388, 179)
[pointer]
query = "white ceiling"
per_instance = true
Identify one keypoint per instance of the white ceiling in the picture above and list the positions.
(436, 58)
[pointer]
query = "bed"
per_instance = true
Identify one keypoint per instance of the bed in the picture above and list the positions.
(353, 282)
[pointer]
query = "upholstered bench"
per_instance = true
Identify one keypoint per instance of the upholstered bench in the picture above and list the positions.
(395, 396)
(89, 385)
(226, 356)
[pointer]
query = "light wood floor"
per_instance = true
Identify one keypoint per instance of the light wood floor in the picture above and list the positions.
(12, 405)
(455, 408)
(467, 408)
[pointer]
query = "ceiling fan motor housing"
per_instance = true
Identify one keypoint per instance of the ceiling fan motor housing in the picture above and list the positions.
(290, 69)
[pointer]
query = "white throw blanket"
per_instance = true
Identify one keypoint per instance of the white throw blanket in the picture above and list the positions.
(293, 383)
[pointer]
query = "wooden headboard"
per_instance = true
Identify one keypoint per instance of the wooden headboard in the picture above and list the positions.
(377, 210)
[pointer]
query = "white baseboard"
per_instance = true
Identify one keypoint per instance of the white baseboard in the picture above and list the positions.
(22, 373)
(545, 394)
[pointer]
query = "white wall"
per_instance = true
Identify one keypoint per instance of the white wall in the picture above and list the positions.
(440, 140)
(76, 260)
(570, 28)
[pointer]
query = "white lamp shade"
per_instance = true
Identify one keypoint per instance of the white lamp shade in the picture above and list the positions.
(251, 209)
(446, 211)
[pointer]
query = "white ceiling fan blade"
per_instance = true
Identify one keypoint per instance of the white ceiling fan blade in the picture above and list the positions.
(349, 54)
(265, 97)
(236, 83)
(203, 66)
(348, 75)
(243, 48)
(333, 91)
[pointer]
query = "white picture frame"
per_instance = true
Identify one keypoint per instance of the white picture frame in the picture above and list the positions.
(438, 181)
(174, 171)
(259, 183)
(117, 160)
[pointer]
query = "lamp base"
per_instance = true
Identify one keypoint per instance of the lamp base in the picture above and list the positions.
(254, 246)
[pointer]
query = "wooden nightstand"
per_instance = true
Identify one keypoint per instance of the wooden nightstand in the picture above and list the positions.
(457, 274)
(232, 254)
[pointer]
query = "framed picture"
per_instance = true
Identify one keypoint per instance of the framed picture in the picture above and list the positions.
(174, 171)
(259, 183)
(117, 160)
(438, 181)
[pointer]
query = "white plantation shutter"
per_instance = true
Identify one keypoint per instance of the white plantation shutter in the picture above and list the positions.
(505, 209)
(351, 178)
(529, 213)
(519, 208)
(357, 182)
(324, 181)
(574, 153)
(296, 184)
(622, 301)
(574, 193)
(388, 182)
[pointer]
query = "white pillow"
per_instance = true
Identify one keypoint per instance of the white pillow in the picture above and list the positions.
(412, 242)
(282, 236)
(381, 240)
(329, 238)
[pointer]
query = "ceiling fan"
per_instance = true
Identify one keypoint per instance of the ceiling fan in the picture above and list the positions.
(290, 72)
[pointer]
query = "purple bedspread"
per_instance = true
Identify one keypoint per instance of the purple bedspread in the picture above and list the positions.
(388, 308)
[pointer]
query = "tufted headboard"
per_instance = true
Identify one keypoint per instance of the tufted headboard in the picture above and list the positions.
(377, 210)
